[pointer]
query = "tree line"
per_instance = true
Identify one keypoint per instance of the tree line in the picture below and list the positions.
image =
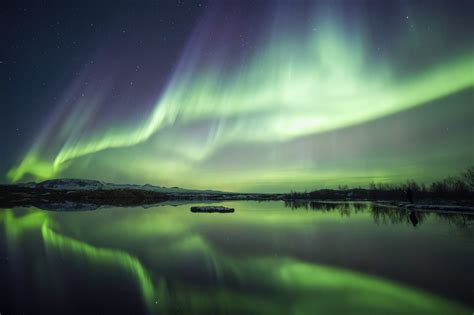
(459, 187)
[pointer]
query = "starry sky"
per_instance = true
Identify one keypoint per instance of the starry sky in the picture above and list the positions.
(266, 96)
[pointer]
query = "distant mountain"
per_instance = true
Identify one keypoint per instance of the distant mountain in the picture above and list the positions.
(70, 184)
(87, 184)
(81, 194)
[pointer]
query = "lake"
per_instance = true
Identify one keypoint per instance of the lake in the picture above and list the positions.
(265, 258)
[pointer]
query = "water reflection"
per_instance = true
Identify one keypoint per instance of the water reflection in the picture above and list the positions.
(59, 247)
(382, 214)
(262, 259)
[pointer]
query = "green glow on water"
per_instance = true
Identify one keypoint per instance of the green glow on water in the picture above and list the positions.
(180, 267)
(16, 225)
(376, 294)
(105, 257)
(290, 286)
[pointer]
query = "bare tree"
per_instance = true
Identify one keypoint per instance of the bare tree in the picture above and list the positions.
(468, 177)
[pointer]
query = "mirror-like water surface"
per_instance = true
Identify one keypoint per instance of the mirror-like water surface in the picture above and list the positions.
(266, 258)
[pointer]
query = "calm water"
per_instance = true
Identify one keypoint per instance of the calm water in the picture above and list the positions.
(266, 258)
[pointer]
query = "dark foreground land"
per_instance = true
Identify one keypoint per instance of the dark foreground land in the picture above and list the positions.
(14, 196)
(75, 194)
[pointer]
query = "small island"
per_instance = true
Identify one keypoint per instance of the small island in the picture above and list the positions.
(211, 209)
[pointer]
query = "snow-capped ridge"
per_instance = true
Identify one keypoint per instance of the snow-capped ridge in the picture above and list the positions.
(88, 184)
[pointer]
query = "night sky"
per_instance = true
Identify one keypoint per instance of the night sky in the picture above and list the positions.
(234, 95)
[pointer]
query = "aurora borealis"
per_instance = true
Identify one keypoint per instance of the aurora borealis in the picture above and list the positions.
(241, 96)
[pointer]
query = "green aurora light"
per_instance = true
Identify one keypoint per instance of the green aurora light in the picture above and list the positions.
(296, 84)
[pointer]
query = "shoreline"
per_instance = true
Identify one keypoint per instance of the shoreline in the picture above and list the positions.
(12, 196)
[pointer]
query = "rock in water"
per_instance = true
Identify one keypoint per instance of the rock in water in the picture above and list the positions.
(211, 209)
